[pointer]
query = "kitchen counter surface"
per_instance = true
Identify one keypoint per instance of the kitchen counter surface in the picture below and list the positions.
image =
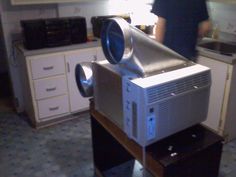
(26, 52)
(201, 51)
(220, 57)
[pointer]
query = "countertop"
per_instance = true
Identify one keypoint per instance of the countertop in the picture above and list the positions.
(216, 56)
(202, 51)
(27, 53)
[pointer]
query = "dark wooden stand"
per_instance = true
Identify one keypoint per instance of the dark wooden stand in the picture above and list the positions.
(194, 152)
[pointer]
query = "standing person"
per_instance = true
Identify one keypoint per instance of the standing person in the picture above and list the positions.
(180, 23)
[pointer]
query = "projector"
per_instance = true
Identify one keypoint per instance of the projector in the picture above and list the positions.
(143, 87)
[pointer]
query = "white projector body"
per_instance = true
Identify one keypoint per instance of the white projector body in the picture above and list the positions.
(154, 107)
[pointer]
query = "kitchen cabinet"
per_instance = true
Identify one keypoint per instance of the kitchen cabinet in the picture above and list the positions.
(72, 59)
(49, 86)
(222, 113)
(28, 2)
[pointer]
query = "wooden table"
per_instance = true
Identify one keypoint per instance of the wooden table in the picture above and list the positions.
(195, 152)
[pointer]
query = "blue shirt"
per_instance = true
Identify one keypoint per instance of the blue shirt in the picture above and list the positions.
(182, 20)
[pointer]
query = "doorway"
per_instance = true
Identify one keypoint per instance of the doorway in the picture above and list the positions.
(6, 104)
(6, 101)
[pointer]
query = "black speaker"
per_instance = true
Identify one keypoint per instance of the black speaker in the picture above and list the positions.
(57, 32)
(78, 30)
(33, 34)
(52, 32)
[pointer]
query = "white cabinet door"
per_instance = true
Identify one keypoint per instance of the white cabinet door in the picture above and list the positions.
(77, 102)
(219, 76)
(100, 54)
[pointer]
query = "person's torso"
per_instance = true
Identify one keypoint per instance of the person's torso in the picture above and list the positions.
(182, 26)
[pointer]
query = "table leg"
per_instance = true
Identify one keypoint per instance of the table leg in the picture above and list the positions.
(107, 152)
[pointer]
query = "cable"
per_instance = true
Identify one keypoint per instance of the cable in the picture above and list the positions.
(144, 161)
(12, 57)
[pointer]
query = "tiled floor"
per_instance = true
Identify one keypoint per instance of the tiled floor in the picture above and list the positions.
(64, 150)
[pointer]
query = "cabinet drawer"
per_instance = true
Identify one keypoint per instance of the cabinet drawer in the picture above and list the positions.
(49, 87)
(45, 66)
(53, 106)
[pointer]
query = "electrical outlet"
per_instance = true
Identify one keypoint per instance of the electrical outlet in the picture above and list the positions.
(230, 27)
(234, 29)
(41, 12)
(16, 37)
(77, 10)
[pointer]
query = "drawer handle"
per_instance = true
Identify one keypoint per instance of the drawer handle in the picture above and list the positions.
(54, 108)
(51, 89)
(48, 68)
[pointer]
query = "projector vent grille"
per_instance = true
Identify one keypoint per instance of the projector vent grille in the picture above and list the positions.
(177, 87)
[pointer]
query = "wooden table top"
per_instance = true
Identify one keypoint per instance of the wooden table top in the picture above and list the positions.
(164, 152)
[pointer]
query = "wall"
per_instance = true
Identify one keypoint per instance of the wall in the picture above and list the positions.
(223, 16)
(140, 12)
(11, 16)
(3, 62)
(10, 19)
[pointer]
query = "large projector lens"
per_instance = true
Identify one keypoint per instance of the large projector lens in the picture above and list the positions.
(116, 41)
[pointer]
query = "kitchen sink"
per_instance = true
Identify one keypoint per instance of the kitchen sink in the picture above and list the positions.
(219, 47)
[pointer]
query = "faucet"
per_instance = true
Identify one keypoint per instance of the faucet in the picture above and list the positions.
(215, 32)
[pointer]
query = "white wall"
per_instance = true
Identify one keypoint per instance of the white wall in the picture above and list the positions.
(140, 12)
(3, 62)
(223, 16)
(10, 18)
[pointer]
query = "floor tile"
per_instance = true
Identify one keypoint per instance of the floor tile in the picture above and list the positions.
(65, 150)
